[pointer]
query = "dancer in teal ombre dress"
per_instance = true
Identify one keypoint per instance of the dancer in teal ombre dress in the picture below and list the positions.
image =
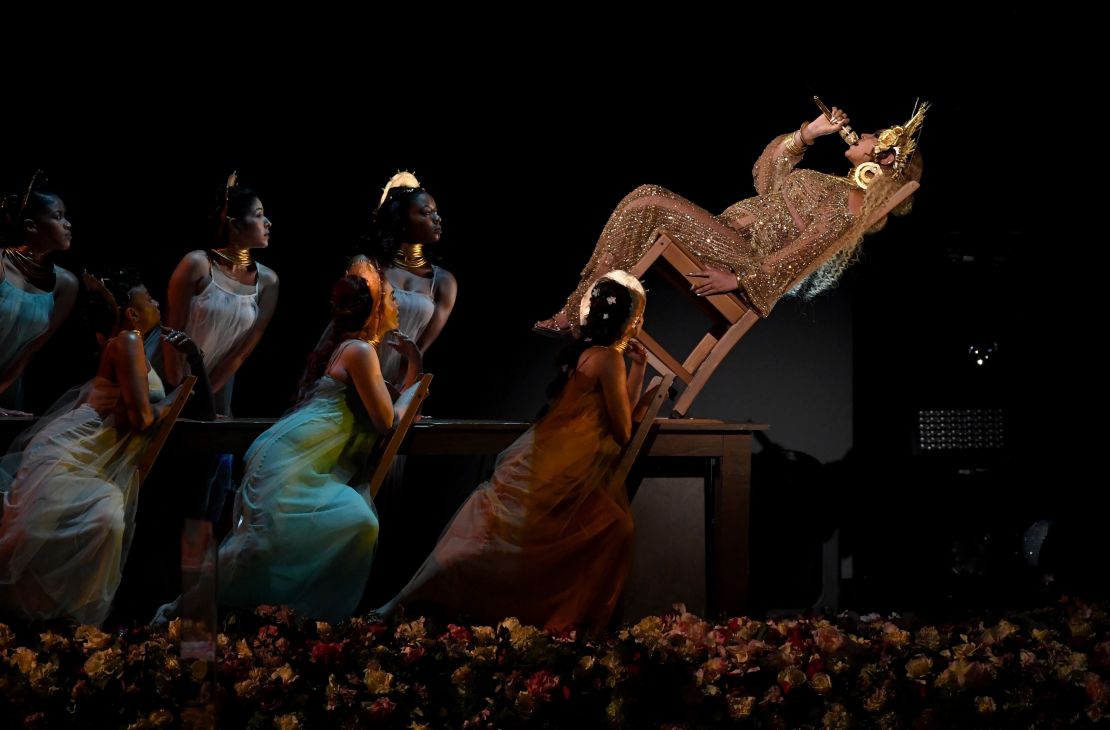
(304, 525)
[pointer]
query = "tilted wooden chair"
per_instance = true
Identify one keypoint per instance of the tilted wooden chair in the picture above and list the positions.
(662, 388)
(730, 316)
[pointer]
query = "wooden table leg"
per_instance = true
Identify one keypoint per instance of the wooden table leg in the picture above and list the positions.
(727, 534)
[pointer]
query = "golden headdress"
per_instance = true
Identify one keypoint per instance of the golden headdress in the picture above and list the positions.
(902, 138)
(635, 314)
(403, 179)
(629, 282)
(15, 205)
(232, 183)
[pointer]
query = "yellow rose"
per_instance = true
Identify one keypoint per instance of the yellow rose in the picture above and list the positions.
(483, 634)
(23, 658)
(285, 673)
(522, 637)
(875, 700)
(102, 663)
(377, 681)
(985, 705)
(287, 722)
(740, 707)
(93, 637)
(791, 677)
(919, 666)
(837, 718)
(50, 640)
(929, 638)
(649, 629)
(246, 688)
(821, 683)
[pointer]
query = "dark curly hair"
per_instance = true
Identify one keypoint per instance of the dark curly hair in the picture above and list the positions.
(389, 223)
(604, 325)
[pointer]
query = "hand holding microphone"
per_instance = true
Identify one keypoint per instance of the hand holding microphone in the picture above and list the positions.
(846, 133)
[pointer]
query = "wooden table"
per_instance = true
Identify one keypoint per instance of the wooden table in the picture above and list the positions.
(717, 452)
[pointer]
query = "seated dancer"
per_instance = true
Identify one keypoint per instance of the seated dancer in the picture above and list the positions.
(70, 485)
(304, 526)
(36, 296)
(801, 223)
(549, 538)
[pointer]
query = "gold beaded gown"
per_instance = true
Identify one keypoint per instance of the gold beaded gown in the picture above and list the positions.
(797, 224)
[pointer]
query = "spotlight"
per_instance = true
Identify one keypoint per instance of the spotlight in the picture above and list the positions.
(981, 354)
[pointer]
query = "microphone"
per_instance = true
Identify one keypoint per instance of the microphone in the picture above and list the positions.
(846, 132)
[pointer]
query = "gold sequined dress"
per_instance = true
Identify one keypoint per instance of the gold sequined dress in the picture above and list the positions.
(798, 222)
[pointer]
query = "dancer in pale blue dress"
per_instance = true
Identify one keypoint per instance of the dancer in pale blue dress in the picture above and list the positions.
(304, 525)
(36, 296)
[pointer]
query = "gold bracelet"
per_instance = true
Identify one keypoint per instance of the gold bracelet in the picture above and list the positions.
(793, 148)
(802, 134)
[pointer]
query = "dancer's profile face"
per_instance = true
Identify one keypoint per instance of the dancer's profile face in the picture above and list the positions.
(424, 224)
(253, 229)
(145, 309)
(49, 228)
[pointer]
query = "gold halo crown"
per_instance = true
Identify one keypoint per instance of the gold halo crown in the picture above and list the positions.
(629, 282)
(403, 179)
(902, 138)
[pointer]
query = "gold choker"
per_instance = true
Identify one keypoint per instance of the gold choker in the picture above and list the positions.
(236, 256)
(411, 257)
(36, 270)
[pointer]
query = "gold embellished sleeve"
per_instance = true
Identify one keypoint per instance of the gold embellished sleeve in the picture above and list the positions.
(793, 232)
(774, 166)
